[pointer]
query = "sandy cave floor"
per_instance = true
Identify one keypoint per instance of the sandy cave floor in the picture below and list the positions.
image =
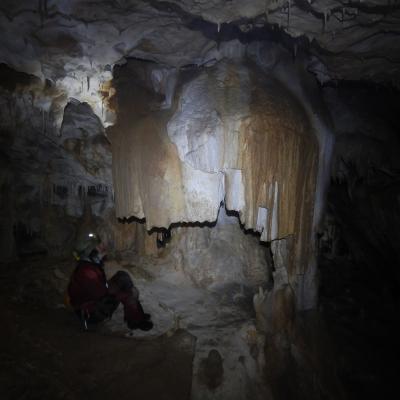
(46, 354)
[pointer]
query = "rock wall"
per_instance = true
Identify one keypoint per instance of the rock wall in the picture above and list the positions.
(52, 181)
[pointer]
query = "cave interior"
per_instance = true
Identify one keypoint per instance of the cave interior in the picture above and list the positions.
(239, 159)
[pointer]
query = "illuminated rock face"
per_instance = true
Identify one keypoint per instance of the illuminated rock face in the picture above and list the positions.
(233, 135)
(51, 181)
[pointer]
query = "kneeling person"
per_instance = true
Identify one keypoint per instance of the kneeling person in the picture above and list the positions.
(94, 298)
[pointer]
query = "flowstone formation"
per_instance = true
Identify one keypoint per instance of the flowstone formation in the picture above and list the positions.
(232, 135)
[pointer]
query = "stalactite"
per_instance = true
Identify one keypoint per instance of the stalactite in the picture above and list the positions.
(288, 13)
(40, 11)
(43, 124)
(324, 26)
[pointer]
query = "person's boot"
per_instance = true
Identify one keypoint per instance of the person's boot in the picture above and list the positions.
(147, 317)
(146, 325)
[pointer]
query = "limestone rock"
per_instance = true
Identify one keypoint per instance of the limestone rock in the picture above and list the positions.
(51, 177)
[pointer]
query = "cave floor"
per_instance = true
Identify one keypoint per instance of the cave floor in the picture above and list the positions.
(46, 354)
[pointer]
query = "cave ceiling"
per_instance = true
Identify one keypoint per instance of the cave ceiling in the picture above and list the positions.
(75, 43)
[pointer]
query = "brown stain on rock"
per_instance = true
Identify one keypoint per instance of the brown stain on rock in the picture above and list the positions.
(279, 150)
(147, 173)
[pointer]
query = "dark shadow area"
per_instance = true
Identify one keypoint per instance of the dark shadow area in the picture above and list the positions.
(359, 250)
(359, 294)
(11, 79)
(28, 243)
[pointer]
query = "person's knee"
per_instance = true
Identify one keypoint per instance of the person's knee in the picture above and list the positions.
(122, 280)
